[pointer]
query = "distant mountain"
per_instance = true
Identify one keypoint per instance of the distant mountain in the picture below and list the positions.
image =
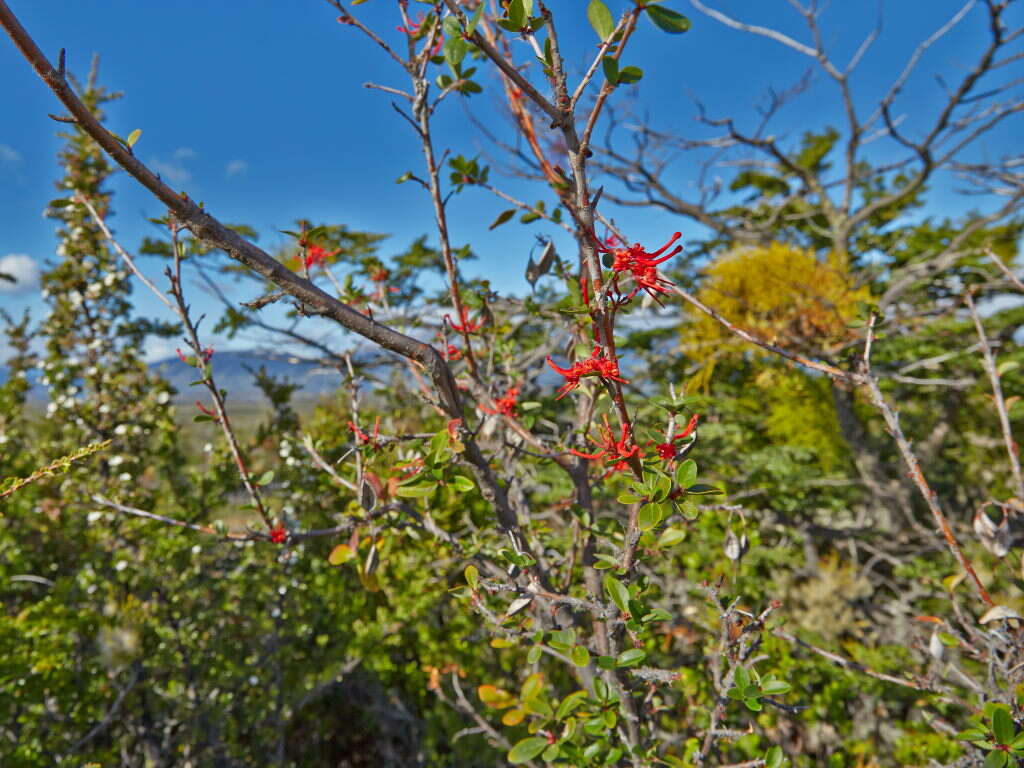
(234, 371)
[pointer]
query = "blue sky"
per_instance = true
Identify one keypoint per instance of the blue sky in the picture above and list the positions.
(258, 109)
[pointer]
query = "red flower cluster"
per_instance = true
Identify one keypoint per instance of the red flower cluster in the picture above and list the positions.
(595, 365)
(380, 275)
(505, 405)
(667, 451)
(364, 439)
(205, 355)
(278, 534)
(642, 267)
(612, 450)
(467, 325)
(453, 353)
(414, 32)
(317, 255)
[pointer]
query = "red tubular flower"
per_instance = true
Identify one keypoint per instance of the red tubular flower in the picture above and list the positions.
(612, 451)
(207, 354)
(641, 265)
(278, 534)
(467, 325)
(453, 353)
(595, 365)
(317, 255)
(667, 451)
(505, 405)
(364, 439)
(205, 410)
(181, 356)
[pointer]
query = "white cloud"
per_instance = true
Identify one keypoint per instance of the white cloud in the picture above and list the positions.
(158, 349)
(172, 172)
(184, 153)
(23, 268)
(8, 155)
(236, 167)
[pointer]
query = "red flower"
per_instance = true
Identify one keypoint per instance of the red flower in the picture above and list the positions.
(205, 355)
(642, 267)
(612, 450)
(595, 365)
(364, 439)
(379, 275)
(278, 534)
(667, 451)
(467, 326)
(317, 255)
(504, 405)
(453, 353)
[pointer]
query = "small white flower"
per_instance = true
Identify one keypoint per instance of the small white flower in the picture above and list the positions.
(51, 408)
(116, 461)
(92, 370)
(121, 429)
(61, 250)
(104, 408)
(125, 477)
(196, 549)
(253, 680)
(136, 430)
(120, 565)
(275, 613)
(109, 280)
(45, 293)
(208, 448)
(290, 461)
(3, 438)
(163, 397)
(93, 517)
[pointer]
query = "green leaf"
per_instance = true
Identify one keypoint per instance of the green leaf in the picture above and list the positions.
(133, 137)
(628, 498)
(700, 489)
(516, 15)
(266, 478)
(617, 593)
(580, 656)
(532, 686)
(741, 678)
(462, 484)
(973, 734)
(341, 554)
(668, 20)
(600, 19)
(569, 703)
(1002, 726)
(611, 69)
(472, 576)
(775, 687)
(631, 657)
(671, 536)
(658, 614)
(471, 27)
(455, 50)
(686, 473)
(754, 705)
(773, 757)
(502, 218)
(996, 759)
(630, 75)
(650, 516)
(416, 491)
